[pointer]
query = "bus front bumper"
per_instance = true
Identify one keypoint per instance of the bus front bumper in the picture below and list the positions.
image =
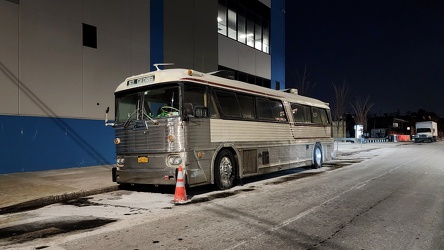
(155, 177)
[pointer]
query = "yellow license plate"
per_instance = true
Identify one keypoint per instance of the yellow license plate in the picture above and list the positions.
(142, 159)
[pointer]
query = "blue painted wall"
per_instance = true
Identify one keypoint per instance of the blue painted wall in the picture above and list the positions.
(156, 32)
(277, 43)
(41, 143)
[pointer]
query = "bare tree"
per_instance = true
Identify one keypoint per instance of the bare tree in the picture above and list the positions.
(361, 108)
(303, 84)
(340, 106)
(341, 94)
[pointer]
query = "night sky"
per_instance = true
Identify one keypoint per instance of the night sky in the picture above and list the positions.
(392, 51)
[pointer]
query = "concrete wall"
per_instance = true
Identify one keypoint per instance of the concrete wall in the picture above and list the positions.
(9, 67)
(54, 90)
(45, 69)
(238, 56)
(190, 34)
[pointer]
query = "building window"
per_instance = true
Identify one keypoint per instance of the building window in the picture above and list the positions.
(258, 33)
(248, 78)
(241, 24)
(265, 37)
(222, 18)
(245, 21)
(89, 36)
(250, 29)
(232, 21)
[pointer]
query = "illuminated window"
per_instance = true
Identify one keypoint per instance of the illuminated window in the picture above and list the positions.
(265, 37)
(258, 33)
(245, 21)
(241, 25)
(232, 30)
(222, 18)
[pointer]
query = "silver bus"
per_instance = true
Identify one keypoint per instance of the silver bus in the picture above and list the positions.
(219, 130)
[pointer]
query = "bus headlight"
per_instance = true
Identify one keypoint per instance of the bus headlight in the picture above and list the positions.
(120, 161)
(174, 160)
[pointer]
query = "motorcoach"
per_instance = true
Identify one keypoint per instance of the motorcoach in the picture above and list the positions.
(219, 130)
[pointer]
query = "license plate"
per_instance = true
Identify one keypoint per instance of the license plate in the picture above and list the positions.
(142, 159)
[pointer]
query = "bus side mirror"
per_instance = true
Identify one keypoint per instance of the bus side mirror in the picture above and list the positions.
(201, 112)
(106, 118)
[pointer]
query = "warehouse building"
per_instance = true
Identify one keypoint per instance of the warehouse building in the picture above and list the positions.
(60, 62)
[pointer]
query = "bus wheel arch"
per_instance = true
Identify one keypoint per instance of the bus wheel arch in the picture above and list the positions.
(318, 155)
(225, 168)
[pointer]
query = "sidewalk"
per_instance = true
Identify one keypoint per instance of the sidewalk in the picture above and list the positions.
(35, 189)
(344, 148)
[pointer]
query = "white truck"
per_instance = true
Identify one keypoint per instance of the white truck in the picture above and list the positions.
(426, 131)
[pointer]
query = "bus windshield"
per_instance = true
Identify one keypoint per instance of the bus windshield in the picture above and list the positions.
(148, 103)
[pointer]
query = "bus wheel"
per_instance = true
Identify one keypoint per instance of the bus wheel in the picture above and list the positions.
(317, 156)
(224, 170)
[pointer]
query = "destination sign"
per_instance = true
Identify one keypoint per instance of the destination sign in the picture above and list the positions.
(142, 80)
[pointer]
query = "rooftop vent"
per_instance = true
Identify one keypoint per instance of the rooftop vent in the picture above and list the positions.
(224, 74)
(291, 91)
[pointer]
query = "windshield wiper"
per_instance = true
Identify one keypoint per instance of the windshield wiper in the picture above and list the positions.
(127, 122)
(155, 122)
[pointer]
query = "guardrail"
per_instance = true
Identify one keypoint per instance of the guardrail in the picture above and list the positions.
(373, 140)
(366, 140)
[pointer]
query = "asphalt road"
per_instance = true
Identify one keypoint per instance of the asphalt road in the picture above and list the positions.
(390, 198)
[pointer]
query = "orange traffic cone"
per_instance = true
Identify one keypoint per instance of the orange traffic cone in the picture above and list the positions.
(180, 195)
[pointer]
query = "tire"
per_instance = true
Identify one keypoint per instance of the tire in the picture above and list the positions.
(317, 156)
(224, 170)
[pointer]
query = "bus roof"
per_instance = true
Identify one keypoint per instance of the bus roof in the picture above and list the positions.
(172, 75)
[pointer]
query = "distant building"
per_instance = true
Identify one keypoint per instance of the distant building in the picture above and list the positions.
(391, 124)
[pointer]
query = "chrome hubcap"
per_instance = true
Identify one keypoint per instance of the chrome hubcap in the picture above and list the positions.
(226, 170)
(318, 156)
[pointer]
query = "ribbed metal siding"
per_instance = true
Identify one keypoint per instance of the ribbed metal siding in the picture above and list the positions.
(198, 140)
(222, 131)
(153, 140)
(301, 131)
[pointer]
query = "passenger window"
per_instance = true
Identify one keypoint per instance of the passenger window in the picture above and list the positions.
(264, 109)
(316, 115)
(301, 113)
(324, 117)
(320, 116)
(271, 110)
(228, 103)
(278, 111)
(246, 105)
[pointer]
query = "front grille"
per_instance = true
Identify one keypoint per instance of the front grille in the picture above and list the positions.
(153, 140)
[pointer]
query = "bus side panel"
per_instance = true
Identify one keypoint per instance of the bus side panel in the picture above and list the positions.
(263, 147)
(273, 144)
(199, 151)
(248, 131)
(282, 155)
(301, 131)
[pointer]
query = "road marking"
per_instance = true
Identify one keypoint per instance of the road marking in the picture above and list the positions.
(315, 208)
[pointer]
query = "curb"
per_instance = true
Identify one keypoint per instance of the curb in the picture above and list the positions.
(338, 154)
(45, 201)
